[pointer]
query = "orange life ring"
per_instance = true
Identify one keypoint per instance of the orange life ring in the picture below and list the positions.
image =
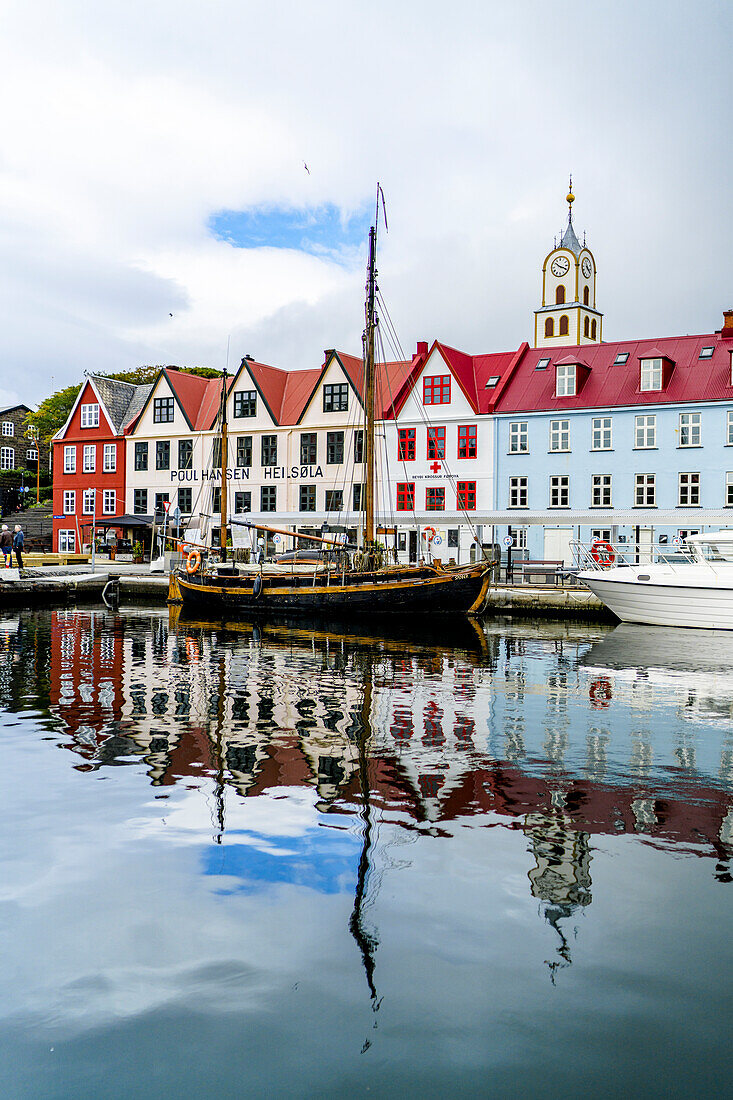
(603, 554)
(429, 533)
(601, 692)
(193, 561)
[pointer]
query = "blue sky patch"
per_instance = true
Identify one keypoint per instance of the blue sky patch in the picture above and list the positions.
(319, 230)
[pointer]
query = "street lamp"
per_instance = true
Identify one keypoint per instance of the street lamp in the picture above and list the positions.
(31, 433)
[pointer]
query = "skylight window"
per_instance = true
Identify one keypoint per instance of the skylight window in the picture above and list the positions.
(706, 353)
(620, 358)
(493, 381)
(543, 364)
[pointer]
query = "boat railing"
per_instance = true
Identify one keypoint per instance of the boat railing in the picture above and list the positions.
(599, 556)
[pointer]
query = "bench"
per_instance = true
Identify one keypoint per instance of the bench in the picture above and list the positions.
(526, 570)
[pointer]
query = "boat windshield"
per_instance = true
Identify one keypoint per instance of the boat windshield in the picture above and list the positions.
(713, 551)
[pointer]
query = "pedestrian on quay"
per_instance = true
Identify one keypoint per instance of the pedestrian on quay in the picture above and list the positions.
(18, 540)
(6, 543)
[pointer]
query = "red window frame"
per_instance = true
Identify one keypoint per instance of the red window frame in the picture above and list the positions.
(438, 502)
(468, 441)
(406, 444)
(436, 443)
(436, 390)
(405, 496)
(466, 495)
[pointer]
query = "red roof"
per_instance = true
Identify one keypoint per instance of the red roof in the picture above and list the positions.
(608, 384)
(472, 372)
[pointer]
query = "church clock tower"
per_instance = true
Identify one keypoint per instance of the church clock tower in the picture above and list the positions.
(568, 314)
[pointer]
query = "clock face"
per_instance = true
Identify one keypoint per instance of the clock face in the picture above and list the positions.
(559, 266)
(587, 268)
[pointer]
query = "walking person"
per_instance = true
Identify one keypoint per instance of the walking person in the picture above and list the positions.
(6, 543)
(18, 540)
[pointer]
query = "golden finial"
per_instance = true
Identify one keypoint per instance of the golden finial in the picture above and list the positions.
(570, 196)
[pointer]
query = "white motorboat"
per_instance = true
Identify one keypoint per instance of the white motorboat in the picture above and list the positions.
(691, 588)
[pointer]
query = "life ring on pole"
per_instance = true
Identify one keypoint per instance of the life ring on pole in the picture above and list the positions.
(601, 692)
(429, 533)
(193, 562)
(603, 554)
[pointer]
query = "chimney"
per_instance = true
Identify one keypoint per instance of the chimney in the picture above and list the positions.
(249, 358)
(726, 333)
(171, 367)
(422, 347)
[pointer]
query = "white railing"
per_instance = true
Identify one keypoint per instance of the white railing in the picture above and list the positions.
(627, 554)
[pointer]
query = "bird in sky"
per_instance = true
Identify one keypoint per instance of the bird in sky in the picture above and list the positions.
(306, 168)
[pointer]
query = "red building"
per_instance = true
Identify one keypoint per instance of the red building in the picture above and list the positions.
(89, 459)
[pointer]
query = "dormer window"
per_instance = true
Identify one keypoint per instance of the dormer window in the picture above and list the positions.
(493, 381)
(565, 380)
(543, 364)
(706, 353)
(436, 390)
(651, 375)
(90, 416)
(621, 358)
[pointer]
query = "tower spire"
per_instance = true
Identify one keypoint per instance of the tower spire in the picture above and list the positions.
(570, 198)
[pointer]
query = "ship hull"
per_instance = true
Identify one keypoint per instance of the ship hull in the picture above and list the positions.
(692, 596)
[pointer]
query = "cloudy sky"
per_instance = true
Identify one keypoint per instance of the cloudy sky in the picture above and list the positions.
(154, 200)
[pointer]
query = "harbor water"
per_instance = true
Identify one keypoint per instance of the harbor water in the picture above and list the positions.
(272, 859)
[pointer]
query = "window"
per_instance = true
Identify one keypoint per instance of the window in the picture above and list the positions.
(519, 534)
(268, 498)
(8, 428)
(162, 499)
(308, 449)
(69, 460)
(644, 491)
(163, 454)
(690, 430)
(518, 440)
(564, 325)
(358, 496)
(242, 503)
(406, 444)
(601, 534)
(559, 435)
(543, 364)
(492, 382)
(729, 432)
(436, 390)
(549, 327)
(244, 450)
(269, 451)
(141, 456)
(245, 403)
(689, 490)
(586, 327)
(110, 458)
(560, 491)
(436, 443)
(109, 502)
(31, 455)
(560, 295)
(67, 542)
(729, 490)
(593, 329)
(565, 380)
(435, 499)
(651, 375)
(645, 431)
(405, 496)
(336, 397)
(140, 502)
(466, 496)
(69, 502)
(90, 459)
(185, 454)
(7, 458)
(185, 501)
(90, 416)
(359, 445)
(163, 410)
(706, 353)
(216, 452)
(215, 499)
(601, 439)
(621, 358)
(89, 498)
(467, 440)
(601, 491)
(518, 492)
(334, 500)
(586, 295)
(307, 498)
(334, 447)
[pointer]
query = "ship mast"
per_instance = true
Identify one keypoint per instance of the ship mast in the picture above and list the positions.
(224, 463)
(369, 387)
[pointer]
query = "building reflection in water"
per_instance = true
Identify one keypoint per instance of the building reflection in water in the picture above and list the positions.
(533, 727)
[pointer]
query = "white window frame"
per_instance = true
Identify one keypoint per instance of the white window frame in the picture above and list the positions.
(89, 416)
(645, 427)
(647, 484)
(559, 435)
(560, 491)
(109, 502)
(110, 458)
(69, 502)
(518, 492)
(601, 485)
(518, 438)
(688, 487)
(8, 428)
(88, 498)
(602, 433)
(7, 458)
(31, 455)
(67, 542)
(565, 380)
(690, 429)
(69, 460)
(89, 461)
(729, 489)
(650, 378)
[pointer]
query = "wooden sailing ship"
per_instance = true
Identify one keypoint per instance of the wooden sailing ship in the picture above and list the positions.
(353, 580)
